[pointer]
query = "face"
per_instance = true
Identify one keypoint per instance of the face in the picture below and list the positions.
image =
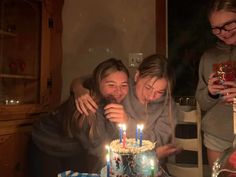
(222, 19)
(149, 89)
(115, 85)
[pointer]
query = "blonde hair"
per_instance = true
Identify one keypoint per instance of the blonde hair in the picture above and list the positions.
(157, 66)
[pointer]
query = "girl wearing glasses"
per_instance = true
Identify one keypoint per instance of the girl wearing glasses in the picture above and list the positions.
(216, 89)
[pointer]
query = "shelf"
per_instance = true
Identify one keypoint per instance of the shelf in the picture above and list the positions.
(6, 33)
(15, 76)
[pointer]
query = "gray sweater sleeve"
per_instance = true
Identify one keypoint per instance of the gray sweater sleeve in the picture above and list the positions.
(205, 101)
(165, 125)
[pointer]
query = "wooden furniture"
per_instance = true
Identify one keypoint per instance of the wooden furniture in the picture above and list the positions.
(30, 62)
(188, 115)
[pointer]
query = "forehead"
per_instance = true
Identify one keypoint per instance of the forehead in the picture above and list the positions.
(156, 83)
(117, 76)
(219, 18)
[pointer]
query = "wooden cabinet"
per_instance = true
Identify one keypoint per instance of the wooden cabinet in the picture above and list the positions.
(14, 151)
(30, 79)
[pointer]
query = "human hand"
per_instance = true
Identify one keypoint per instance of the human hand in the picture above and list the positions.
(213, 87)
(167, 150)
(115, 113)
(84, 102)
(229, 93)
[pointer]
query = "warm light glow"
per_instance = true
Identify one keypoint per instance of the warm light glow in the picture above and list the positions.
(141, 127)
(124, 127)
(108, 157)
(152, 164)
(107, 147)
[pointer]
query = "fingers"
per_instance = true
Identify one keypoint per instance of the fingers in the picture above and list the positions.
(228, 94)
(78, 107)
(230, 84)
(167, 150)
(115, 113)
(229, 91)
(113, 105)
(89, 104)
(213, 87)
(82, 108)
(212, 80)
(86, 104)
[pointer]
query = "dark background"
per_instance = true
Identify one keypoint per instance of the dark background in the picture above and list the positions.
(189, 36)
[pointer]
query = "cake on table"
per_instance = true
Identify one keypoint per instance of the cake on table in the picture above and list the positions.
(132, 160)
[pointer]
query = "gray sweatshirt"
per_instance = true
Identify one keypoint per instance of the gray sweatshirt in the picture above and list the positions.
(217, 116)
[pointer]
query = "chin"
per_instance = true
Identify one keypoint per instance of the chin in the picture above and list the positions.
(230, 42)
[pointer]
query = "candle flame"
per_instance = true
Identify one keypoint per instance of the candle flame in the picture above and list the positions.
(152, 164)
(107, 147)
(141, 127)
(108, 157)
(124, 127)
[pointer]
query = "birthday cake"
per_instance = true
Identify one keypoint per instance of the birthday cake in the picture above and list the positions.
(132, 160)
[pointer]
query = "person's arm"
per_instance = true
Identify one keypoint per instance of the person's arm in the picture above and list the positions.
(167, 150)
(205, 99)
(83, 100)
(165, 125)
(164, 132)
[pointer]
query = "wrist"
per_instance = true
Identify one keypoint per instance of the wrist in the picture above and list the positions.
(213, 96)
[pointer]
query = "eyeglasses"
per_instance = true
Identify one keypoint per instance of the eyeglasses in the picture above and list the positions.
(229, 26)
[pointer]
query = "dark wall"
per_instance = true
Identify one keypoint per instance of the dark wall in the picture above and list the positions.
(188, 37)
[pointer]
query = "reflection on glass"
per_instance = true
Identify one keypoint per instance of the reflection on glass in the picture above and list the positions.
(225, 166)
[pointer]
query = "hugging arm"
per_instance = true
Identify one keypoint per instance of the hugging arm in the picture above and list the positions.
(83, 100)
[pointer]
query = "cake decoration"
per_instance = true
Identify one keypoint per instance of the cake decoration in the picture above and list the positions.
(132, 161)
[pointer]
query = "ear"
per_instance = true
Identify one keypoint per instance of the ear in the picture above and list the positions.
(136, 76)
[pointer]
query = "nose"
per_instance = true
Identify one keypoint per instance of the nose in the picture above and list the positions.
(151, 95)
(117, 90)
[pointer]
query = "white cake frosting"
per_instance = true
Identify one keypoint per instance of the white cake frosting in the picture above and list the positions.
(132, 147)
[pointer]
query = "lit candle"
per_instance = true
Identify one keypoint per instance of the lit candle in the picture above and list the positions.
(152, 168)
(124, 136)
(141, 135)
(121, 131)
(136, 134)
(108, 165)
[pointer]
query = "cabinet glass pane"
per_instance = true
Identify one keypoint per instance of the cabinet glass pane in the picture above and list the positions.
(20, 40)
